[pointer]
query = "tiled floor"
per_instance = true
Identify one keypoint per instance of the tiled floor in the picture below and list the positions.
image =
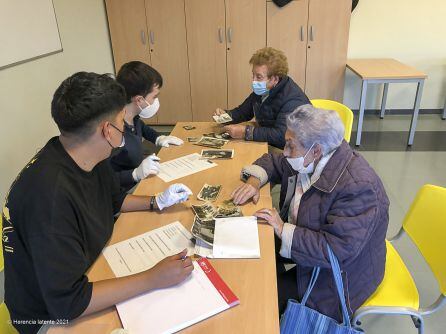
(431, 122)
(403, 173)
(391, 134)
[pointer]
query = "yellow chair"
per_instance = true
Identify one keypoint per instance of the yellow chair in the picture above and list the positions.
(425, 224)
(5, 321)
(344, 112)
(5, 326)
(2, 260)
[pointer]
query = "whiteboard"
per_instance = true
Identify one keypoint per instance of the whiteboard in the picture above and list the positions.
(28, 30)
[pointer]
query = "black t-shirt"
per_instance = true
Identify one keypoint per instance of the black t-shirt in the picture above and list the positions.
(56, 220)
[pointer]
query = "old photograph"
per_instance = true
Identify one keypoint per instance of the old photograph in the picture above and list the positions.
(211, 142)
(193, 139)
(210, 134)
(209, 192)
(224, 135)
(228, 209)
(204, 230)
(205, 211)
(217, 154)
(223, 118)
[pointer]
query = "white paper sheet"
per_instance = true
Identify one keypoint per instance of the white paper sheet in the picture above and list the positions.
(236, 237)
(142, 252)
(172, 309)
(184, 166)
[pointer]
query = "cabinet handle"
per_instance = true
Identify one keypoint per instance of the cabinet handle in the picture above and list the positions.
(311, 34)
(230, 35)
(302, 33)
(220, 35)
(143, 37)
(152, 37)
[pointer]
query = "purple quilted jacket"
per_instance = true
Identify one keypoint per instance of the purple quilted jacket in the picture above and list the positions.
(347, 208)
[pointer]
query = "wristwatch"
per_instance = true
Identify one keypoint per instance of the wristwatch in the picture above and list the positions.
(152, 203)
(249, 132)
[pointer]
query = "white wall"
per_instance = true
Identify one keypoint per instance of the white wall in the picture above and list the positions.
(26, 90)
(412, 31)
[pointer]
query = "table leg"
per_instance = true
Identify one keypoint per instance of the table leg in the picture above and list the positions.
(416, 109)
(384, 100)
(444, 111)
(361, 111)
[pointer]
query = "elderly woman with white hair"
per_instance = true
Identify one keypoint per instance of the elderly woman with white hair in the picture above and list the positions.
(329, 195)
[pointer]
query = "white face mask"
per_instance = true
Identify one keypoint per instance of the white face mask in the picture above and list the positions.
(298, 164)
(150, 110)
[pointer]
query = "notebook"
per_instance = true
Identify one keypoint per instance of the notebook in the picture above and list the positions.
(201, 296)
(234, 237)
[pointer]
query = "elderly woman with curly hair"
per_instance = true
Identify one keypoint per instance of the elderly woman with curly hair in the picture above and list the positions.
(329, 195)
(274, 96)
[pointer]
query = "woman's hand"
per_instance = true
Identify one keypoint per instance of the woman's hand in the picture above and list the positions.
(272, 217)
(246, 191)
(219, 112)
(236, 131)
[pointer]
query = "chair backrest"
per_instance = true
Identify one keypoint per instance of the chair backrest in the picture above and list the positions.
(2, 260)
(343, 111)
(5, 319)
(425, 223)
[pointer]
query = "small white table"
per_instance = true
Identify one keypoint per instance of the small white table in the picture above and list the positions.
(387, 71)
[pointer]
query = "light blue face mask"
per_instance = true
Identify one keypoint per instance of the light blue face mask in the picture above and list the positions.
(259, 87)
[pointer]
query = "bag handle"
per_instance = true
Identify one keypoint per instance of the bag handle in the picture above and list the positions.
(339, 286)
(338, 282)
(314, 276)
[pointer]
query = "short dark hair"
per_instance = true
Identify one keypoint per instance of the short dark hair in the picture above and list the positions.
(84, 99)
(138, 78)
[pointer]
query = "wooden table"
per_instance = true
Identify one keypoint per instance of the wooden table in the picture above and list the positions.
(386, 71)
(252, 280)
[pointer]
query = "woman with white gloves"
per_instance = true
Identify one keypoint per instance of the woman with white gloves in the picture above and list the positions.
(142, 85)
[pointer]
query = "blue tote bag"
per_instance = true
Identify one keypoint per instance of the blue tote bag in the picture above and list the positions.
(300, 319)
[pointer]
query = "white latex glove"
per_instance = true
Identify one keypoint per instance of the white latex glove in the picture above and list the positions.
(165, 141)
(149, 165)
(176, 193)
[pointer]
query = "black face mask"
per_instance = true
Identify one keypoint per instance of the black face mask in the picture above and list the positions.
(116, 150)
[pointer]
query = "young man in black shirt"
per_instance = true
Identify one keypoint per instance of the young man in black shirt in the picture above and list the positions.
(59, 213)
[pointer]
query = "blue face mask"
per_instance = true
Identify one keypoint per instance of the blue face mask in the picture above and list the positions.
(259, 87)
